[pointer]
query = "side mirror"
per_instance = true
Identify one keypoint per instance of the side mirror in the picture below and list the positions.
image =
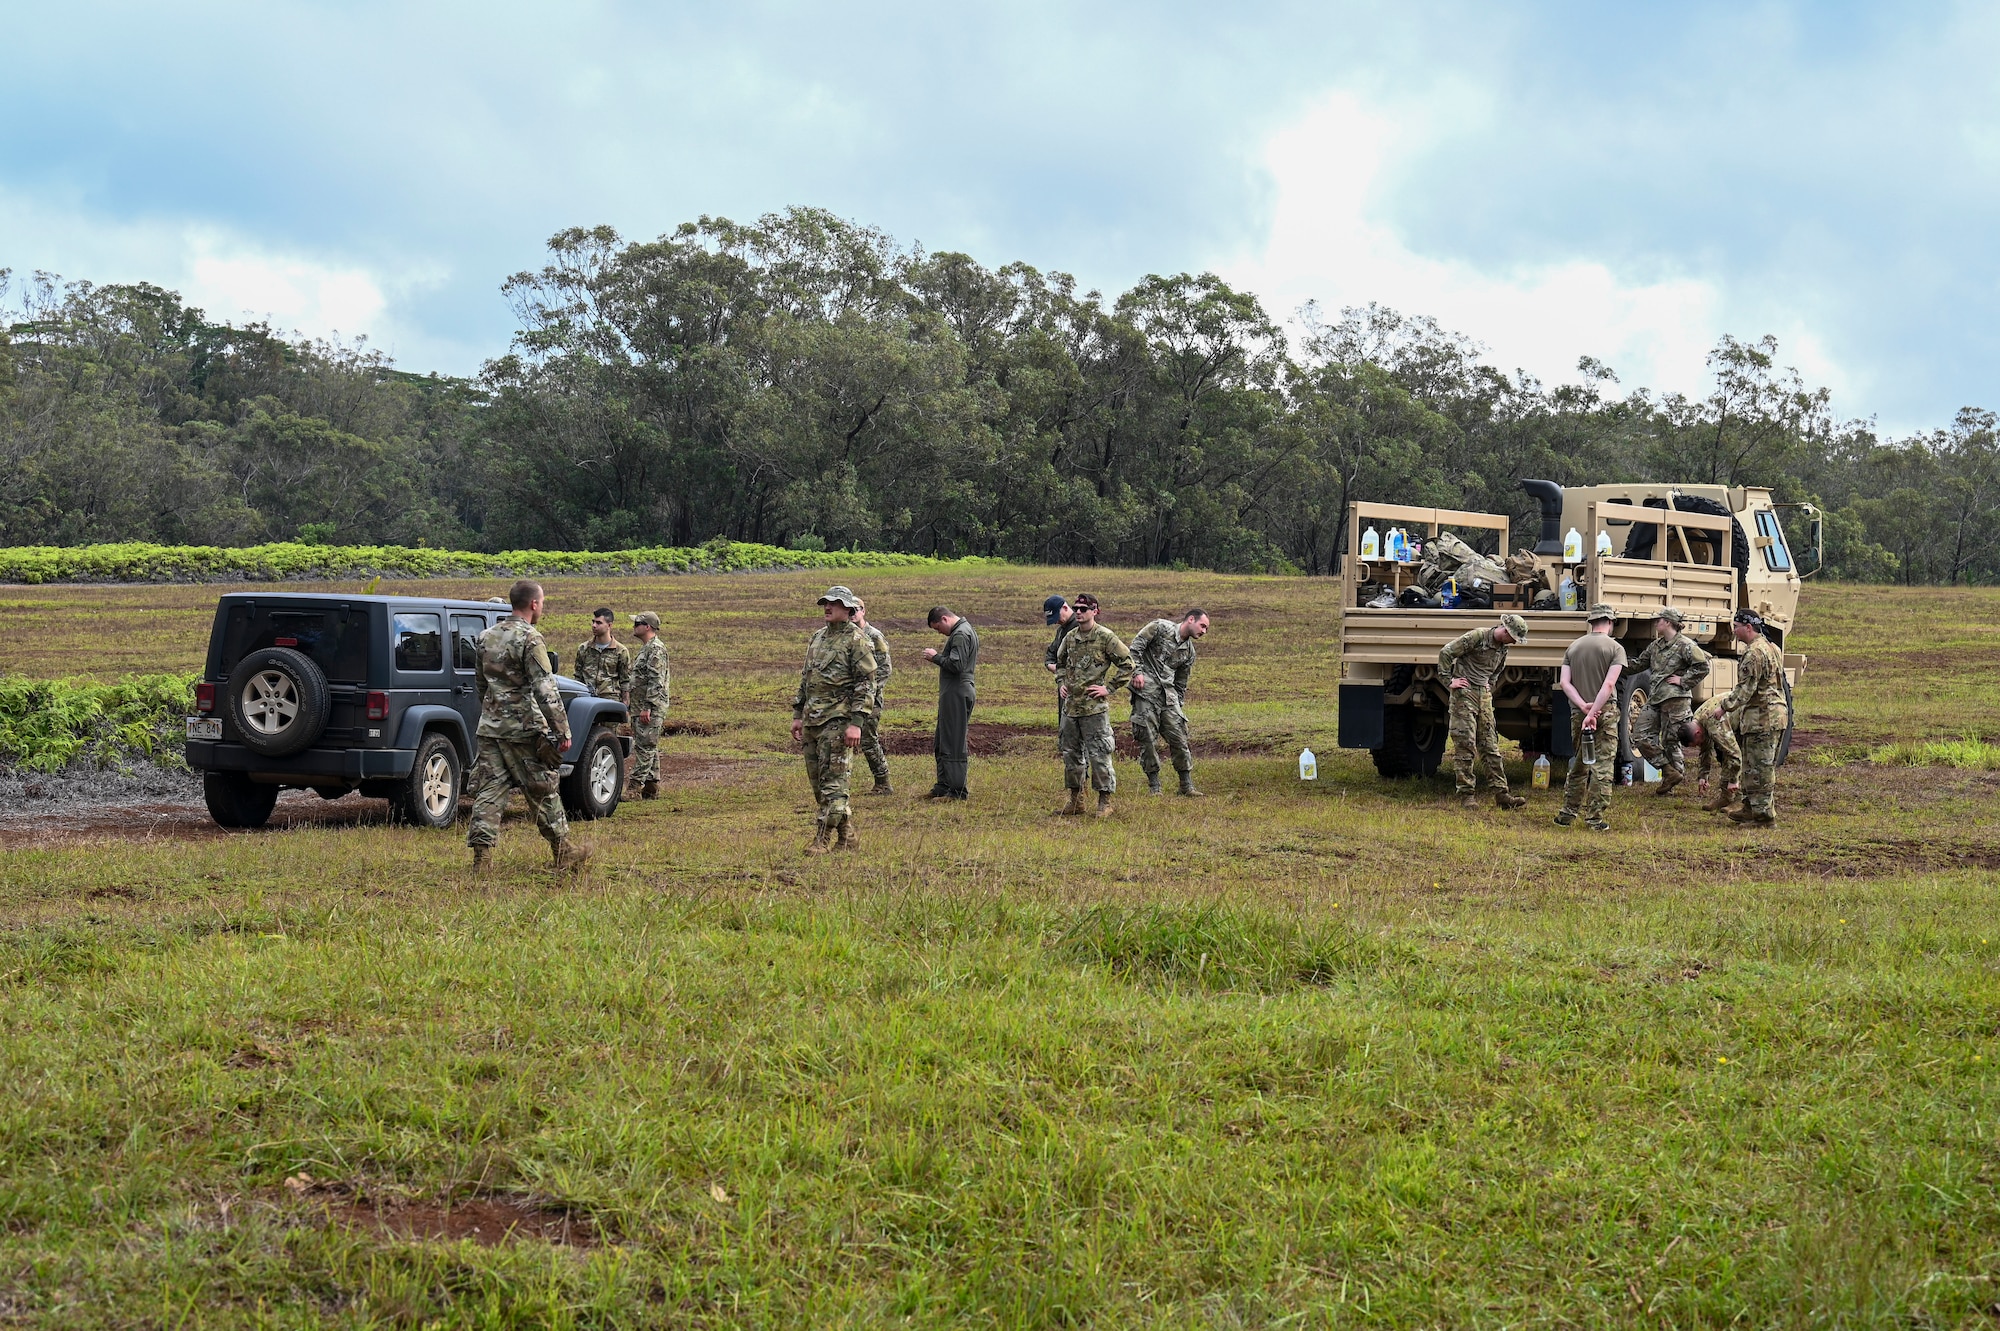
(555, 662)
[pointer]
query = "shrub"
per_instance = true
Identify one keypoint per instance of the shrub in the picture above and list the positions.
(45, 724)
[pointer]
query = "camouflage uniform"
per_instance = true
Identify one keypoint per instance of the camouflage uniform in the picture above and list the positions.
(836, 690)
(1719, 748)
(1476, 658)
(1587, 787)
(1653, 725)
(871, 738)
(1085, 657)
(651, 676)
(1166, 660)
(1758, 704)
(522, 727)
(605, 670)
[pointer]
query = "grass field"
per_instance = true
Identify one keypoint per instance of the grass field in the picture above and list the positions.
(1291, 1055)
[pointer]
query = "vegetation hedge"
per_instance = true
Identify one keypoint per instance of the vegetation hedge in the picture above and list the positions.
(139, 561)
(46, 724)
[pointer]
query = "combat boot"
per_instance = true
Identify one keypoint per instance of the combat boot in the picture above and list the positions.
(849, 838)
(1507, 799)
(1718, 802)
(1073, 809)
(482, 859)
(1468, 800)
(821, 842)
(650, 791)
(882, 787)
(1597, 824)
(1103, 802)
(1668, 780)
(1765, 819)
(570, 857)
(1564, 817)
(1153, 783)
(1187, 786)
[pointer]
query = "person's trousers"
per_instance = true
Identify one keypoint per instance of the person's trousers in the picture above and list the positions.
(951, 743)
(1475, 741)
(871, 746)
(1155, 719)
(646, 748)
(829, 764)
(1087, 747)
(505, 766)
(1590, 783)
(1760, 769)
(1655, 733)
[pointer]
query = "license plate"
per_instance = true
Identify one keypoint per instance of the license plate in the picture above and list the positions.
(204, 727)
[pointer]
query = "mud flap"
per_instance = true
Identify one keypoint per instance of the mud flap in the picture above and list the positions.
(1360, 716)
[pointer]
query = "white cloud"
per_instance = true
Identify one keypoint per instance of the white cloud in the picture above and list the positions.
(1327, 241)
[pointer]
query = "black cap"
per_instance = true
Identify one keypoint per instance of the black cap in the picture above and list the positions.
(1052, 610)
(1750, 617)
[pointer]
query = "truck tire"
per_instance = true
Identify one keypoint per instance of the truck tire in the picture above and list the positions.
(1413, 741)
(428, 796)
(277, 702)
(597, 780)
(234, 800)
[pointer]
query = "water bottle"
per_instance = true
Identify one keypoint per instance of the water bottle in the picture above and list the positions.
(1448, 594)
(1569, 597)
(1399, 546)
(1603, 544)
(1371, 544)
(1573, 547)
(1590, 747)
(1308, 766)
(1541, 777)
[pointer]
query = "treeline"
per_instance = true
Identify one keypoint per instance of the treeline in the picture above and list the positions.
(807, 382)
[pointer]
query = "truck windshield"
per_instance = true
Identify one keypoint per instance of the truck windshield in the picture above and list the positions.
(1776, 557)
(335, 637)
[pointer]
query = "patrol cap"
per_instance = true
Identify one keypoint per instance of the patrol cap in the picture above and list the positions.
(1750, 617)
(1084, 601)
(1052, 610)
(648, 618)
(1600, 611)
(842, 596)
(1517, 627)
(1673, 616)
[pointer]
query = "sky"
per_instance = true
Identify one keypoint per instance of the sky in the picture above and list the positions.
(1627, 181)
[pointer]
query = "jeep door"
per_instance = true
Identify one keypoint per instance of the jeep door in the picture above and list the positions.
(416, 638)
(465, 631)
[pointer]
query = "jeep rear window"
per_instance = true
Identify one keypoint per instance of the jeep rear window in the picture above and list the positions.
(335, 638)
(419, 642)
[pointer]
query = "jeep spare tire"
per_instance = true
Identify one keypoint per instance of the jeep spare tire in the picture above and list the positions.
(277, 702)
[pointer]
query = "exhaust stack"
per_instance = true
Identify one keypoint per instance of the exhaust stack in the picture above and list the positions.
(1550, 496)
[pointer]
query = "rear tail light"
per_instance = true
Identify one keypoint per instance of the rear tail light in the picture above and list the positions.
(204, 698)
(378, 706)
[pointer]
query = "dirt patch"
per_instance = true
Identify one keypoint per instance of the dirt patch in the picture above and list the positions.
(488, 1219)
(991, 738)
(701, 728)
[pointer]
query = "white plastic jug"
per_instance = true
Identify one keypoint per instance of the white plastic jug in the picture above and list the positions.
(1371, 544)
(1540, 780)
(1573, 547)
(1569, 593)
(1603, 544)
(1308, 766)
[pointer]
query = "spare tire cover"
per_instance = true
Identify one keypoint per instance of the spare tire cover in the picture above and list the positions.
(277, 702)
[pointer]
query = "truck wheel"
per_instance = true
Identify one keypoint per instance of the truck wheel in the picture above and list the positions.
(597, 781)
(428, 796)
(277, 702)
(1413, 740)
(234, 800)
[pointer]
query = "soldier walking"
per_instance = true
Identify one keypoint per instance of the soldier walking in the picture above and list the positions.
(957, 663)
(1758, 704)
(871, 729)
(836, 694)
(1711, 733)
(1589, 676)
(1163, 659)
(1678, 664)
(1470, 663)
(1090, 663)
(1057, 614)
(648, 704)
(604, 664)
(523, 733)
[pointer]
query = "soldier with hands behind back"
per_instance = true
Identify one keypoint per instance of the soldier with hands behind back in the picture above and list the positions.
(1589, 677)
(649, 700)
(836, 694)
(1678, 664)
(1469, 664)
(1090, 664)
(523, 733)
(1163, 657)
(1758, 704)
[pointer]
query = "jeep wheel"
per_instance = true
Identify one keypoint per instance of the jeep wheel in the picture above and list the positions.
(428, 796)
(277, 702)
(1412, 741)
(597, 782)
(234, 800)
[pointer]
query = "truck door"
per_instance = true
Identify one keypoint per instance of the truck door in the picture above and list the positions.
(465, 631)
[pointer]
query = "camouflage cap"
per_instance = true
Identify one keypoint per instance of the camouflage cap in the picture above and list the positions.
(1673, 616)
(842, 596)
(1517, 627)
(1750, 617)
(648, 618)
(1084, 601)
(1600, 611)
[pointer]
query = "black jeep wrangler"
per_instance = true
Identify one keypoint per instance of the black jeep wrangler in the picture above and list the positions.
(338, 693)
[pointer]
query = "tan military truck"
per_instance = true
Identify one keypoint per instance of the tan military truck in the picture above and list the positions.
(1707, 550)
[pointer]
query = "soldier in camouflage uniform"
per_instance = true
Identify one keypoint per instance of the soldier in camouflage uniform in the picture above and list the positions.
(648, 706)
(1758, 704)
(1163, 657)
(1711, 732)
(523, 732)
(1588, 677)
(604, 664)
(1678, 664)
(1090, 663)
(836, 694)
(1469, 664)
(871, 732)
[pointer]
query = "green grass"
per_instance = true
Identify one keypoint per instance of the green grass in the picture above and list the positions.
(1293, 1055)
(1971, 752)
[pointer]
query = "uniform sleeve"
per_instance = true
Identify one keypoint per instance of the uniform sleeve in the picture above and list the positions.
(1749, 670)
(542, 685)
(1049, 657)
(951, 660)
(799, 697)
(1183, 672)
(624, 674)
(1449, 654)
(1644, 660)
(1696, 670)
(879, 645)
(860, 681)
(1117, 662)
(479, 668)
